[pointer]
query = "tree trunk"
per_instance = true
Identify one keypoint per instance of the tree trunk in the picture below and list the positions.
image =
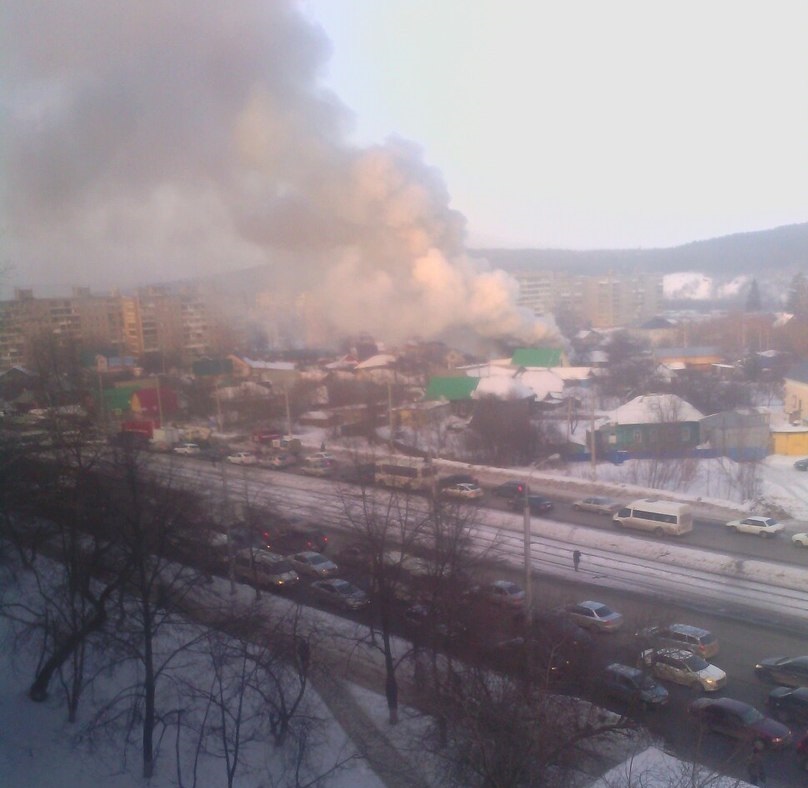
(38, 691)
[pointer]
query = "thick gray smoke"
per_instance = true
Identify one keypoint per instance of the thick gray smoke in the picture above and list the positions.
(161, 140)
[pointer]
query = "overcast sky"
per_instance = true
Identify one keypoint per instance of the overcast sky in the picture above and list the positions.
(584, 124)
(373, 140)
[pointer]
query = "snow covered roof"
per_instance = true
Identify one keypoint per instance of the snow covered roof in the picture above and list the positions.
(501, 387)
(487, 370)
(542, 382)
(278, 365)
(379, 360)
(655, 408)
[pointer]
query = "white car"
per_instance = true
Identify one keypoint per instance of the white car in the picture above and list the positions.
(599, 504)
(187, 449)
(313, 564)
(464, 490)
(800, 540)
(756, 524)
(242, 458)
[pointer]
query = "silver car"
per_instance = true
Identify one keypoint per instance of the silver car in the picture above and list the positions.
(599, 504)
(682, 667)
(594, 616)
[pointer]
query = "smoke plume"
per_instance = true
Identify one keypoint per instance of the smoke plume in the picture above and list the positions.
(162, 140)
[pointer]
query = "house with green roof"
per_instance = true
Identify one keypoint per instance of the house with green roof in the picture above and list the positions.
(542, 357)
(456, 391)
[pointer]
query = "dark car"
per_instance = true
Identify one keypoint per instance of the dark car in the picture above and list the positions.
(633, 686)
(537, 504)
(340, 594)
(295, 540)
(457, 478)
(508, 490)
(789, 704)
(739, 720)
(801, 465)
(788, 671)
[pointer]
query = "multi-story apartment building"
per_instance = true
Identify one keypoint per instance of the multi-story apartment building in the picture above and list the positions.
(602, 301)
(155, 320)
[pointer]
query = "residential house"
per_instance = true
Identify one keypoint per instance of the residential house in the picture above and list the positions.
(700, 359)
(456, 391)
(651, 425)
(276, 373)
(539, 357)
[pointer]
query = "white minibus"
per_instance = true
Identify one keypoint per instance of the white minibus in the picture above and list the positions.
(659, 517)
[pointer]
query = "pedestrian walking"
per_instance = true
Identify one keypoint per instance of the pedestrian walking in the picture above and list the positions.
(576, 558)
(757, 774)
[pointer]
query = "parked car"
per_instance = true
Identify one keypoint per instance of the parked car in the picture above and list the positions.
(187, 449)
(801, 465)
(510, 489)
(789, 704)
(683, 636)
(309, 562)
(500, 592)
(739, 720)
(464, 491)
(537, 504)
(262, 568)
(422, 617)
(340, 594)
(682, 667)
(242, 458)
(756, 524)
(594, 616)
(295, 540)
(599, 504)
(800, 540)
(633, 686)
(788, 671)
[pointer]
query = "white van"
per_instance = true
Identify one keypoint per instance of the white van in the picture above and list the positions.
(659, 517)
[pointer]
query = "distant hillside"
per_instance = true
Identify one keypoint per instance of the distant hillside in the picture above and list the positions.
(779, 250)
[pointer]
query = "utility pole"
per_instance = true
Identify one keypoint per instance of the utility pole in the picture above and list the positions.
(592, 449)
(528, 563)
(288, 412)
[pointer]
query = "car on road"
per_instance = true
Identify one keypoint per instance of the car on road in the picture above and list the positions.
(789, 704)
(501, 592)
(633, 686)
(757, 525)
(800, 539)
(464, 491)
(282, 460)
(242, 458)
(801, 465)
(313, 564)
(682, 667)
(318, 466)
(295, 540)
(788, 671)
(457, 478)
(263, 568)
(508, 490)
(188, 449)
(340, 594)
(594, 616)
(599, 504)
(684, 636)
(740, 721)
(537, 504)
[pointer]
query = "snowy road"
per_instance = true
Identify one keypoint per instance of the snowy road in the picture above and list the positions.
(710, 580)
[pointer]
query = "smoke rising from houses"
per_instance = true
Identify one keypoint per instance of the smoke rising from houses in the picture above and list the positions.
(159, 141)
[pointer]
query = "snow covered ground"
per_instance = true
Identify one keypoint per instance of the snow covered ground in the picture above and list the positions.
(38, 747)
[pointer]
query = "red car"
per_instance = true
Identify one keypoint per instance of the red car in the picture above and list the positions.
(739, 720)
